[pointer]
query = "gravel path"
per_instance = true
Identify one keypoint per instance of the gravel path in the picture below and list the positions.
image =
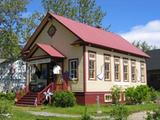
(134, 116)
(137, 116)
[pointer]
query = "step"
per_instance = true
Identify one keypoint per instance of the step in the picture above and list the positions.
(25, 102)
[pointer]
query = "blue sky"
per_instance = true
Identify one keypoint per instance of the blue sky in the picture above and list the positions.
(127, 17)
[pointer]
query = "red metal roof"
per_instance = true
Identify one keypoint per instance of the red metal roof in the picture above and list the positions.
(50, 50)
(98, 36)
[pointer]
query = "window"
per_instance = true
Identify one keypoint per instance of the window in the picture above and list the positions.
(107, 67)
(92, 65)
(133, 71)
(51, 31)
(117, 68)
(125, 70)
(73, 69)
(107, 97)
(142, 72)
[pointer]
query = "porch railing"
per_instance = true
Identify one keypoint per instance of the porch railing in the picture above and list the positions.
(21, 93)
(41, 96)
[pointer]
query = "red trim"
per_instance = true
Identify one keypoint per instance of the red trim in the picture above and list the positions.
(37, 57)
(86, 98)
(84, 68)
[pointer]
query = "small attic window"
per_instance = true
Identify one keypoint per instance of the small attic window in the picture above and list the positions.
(51, 31)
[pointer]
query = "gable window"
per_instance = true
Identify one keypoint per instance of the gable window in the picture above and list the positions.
(51, 31)
(92, 65)
(133, 71)
(142, 72)
(107, 67)
(73, 69)
(125, 70)
(117, 68)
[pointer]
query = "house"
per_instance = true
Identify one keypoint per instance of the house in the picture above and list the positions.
(90, 61)
(15, 81)
(153, 69)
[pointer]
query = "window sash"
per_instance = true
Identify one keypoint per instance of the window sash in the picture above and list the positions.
(107, 70)
(92, 65)
(133, 73)
(142, 73)
(117, 71)
(125, 70)
(73, 67)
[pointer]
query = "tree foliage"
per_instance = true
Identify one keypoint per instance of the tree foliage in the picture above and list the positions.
(144, 46)
(15, 28)
(85, 11)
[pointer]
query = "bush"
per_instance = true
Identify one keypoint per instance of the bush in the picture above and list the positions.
(64, 99)
(155, 115)
(86, 116)
(119, 112)
(5, 110)
(116, 94)
(7, 96)
(129, 94)
(138, 95)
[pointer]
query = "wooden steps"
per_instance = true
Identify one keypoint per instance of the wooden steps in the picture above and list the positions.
(27, 100)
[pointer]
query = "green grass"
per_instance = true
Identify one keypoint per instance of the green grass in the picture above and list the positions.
(20, 113)
(91, 108)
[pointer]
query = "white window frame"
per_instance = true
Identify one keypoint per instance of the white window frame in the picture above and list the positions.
(117, 62)
(73, 75)
(92, 57)
(142, 66)
(125, 64)
(105, 96)
(133, 64)
(107, 60)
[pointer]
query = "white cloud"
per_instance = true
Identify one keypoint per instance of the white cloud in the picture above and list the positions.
(149, 33)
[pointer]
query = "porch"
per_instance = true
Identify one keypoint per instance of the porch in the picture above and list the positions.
(44, 74)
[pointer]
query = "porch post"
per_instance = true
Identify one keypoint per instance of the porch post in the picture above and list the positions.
(27, 74)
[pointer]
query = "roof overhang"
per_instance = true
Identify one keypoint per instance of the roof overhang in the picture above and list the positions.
(48, 49)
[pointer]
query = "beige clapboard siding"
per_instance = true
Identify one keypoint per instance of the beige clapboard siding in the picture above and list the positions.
(101, 85)
(61, 41)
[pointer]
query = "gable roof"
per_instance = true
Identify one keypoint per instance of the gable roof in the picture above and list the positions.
(51, 51)
(98, 36)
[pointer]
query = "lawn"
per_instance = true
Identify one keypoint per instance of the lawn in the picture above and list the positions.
(20, 113)
(91, 108)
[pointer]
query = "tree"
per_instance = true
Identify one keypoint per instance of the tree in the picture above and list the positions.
(15, 28)
(143, 46)
(85, 11)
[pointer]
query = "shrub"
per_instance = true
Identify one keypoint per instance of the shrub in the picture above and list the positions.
(155, 115)
(142, 93)
(5, 110)
(85, 116)
(7, 96)
(119, 112)
(129, 94)
(153, 94)
(137, 95)
(64, 99)
(116, 94)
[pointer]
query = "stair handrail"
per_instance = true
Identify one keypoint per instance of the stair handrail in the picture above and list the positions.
(22, 92)
(41, 96)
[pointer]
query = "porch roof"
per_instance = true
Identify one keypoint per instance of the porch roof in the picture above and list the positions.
(50, 50)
